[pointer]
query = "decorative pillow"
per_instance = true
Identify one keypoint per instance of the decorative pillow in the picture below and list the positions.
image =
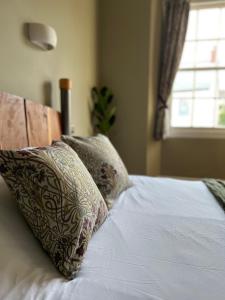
(103, 163)
(58, 199)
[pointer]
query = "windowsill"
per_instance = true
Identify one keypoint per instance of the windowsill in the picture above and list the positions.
(195, 133)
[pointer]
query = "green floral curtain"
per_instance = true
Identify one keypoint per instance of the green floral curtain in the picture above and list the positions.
(175, 20)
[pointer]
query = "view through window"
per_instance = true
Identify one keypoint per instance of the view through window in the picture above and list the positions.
(198, 96)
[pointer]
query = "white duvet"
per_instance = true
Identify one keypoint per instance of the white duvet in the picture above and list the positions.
(164, 239)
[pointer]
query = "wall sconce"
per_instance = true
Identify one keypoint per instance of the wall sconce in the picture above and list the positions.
(42, 36)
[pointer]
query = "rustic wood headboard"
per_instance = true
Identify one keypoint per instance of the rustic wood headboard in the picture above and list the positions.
(24, 123)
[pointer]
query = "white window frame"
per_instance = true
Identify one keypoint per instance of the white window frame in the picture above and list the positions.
(190, 132)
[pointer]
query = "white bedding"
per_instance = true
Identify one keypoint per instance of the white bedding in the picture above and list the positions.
(164, 239)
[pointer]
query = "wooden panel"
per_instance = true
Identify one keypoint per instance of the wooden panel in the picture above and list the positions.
(25, 123)
(54, 125)
(12, 122)
(43, 124)
(37, 124)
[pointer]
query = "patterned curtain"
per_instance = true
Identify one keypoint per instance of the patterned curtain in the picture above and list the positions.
(175, 20)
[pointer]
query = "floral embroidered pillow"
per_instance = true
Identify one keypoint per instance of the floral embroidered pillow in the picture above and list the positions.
(104, 164)
(58, 199)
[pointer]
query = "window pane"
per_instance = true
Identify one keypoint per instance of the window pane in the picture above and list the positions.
(222, 28)
(203, 112)
(181, 113)
(220, 114)
(221, 85)
(208, 23)
(221, 53)
(199, 95)
(188, 56)
(191, 31)
(207, 54)
(205, 84)
(184, 83)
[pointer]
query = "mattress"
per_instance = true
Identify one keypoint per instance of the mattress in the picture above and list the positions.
(164, 239)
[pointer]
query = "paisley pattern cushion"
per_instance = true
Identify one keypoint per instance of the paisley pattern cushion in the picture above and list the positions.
(103, 163)
(58, 199)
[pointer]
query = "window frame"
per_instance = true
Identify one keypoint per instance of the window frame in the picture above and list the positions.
(195, 132)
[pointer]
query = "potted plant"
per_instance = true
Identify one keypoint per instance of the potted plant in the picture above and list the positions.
(104, 109)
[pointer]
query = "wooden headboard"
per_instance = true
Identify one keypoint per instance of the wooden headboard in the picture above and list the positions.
(24, 123)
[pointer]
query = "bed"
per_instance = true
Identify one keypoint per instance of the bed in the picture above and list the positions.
(164, 239)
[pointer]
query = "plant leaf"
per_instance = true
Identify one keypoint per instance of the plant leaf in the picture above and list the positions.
(94, 94)
(103, 91)
(110, 98)
(112, 120)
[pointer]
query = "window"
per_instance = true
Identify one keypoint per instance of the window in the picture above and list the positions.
(198, 95)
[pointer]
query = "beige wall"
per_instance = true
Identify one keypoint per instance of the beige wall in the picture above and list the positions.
(125, 57)
(153, 147)
(33, 73)
(129, 56)
(193, 158)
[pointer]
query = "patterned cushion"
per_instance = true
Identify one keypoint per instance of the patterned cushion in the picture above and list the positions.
(58, 199)
(103, 163)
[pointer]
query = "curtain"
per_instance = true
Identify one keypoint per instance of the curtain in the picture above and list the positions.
(175, 20)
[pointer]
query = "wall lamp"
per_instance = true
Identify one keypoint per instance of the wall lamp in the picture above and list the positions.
(42, 36)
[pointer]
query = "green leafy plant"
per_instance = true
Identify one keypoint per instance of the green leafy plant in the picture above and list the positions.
(104, 109)
(221, 115)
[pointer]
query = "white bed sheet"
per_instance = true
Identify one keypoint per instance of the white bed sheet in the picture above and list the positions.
(164, 239)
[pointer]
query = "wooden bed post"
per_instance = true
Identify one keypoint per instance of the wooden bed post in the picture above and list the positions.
(65, 90)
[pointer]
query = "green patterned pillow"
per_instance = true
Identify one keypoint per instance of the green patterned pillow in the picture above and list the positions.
(58, 199)
(104, 164)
